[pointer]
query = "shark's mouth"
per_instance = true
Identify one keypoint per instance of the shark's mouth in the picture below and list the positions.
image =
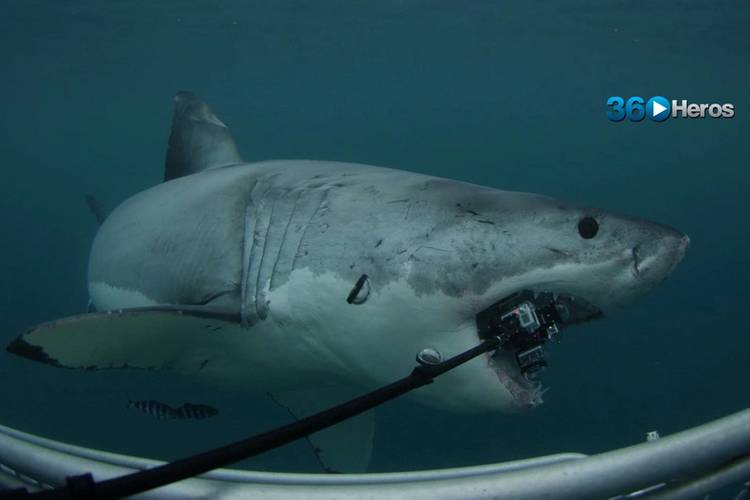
(526, 392)
(511, 361)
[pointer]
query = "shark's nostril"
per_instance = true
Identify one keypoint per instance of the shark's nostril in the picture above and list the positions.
(636, 251)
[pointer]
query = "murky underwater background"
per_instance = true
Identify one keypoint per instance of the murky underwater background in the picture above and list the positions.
(509, 94)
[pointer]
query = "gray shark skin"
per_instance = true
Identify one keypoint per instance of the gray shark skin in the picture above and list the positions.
(265, 254)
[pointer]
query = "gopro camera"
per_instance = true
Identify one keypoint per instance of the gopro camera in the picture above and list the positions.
(523, 322)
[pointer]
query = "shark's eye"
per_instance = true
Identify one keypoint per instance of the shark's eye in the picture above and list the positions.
(588, 227)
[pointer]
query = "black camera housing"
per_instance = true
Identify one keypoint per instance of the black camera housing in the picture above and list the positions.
(523, 322)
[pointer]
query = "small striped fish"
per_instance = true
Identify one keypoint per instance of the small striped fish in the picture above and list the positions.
(162, 411)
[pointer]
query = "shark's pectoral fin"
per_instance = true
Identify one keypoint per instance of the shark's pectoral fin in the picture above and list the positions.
(198, 141)
(183, 339)
(345, 447)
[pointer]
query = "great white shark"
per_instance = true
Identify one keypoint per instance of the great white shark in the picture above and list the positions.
(240, 272)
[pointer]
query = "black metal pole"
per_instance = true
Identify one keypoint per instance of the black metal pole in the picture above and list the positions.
(137, 482)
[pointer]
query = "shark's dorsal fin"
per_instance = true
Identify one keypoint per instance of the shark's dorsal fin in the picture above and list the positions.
(198, 141)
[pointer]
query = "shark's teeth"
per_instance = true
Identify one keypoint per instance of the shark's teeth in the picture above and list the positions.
(525, 393)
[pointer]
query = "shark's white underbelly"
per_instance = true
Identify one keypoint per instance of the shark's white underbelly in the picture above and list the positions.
(314, 337)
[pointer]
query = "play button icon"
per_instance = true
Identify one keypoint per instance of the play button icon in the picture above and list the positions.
(658, 108)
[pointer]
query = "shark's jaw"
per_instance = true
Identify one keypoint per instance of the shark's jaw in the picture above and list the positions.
(522, 385)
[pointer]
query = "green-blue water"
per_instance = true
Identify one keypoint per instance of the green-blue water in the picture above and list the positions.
(509, 94)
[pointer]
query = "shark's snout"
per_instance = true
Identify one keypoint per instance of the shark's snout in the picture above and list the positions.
(680, 247)
(675, 250)
(656, 258)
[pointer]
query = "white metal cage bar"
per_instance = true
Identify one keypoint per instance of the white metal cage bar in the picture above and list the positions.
(687, 464)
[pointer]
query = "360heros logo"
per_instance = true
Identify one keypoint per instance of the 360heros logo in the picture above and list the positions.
(659, 108)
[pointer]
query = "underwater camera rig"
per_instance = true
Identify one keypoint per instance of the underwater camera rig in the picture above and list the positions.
(689, 464)
(523, 322)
